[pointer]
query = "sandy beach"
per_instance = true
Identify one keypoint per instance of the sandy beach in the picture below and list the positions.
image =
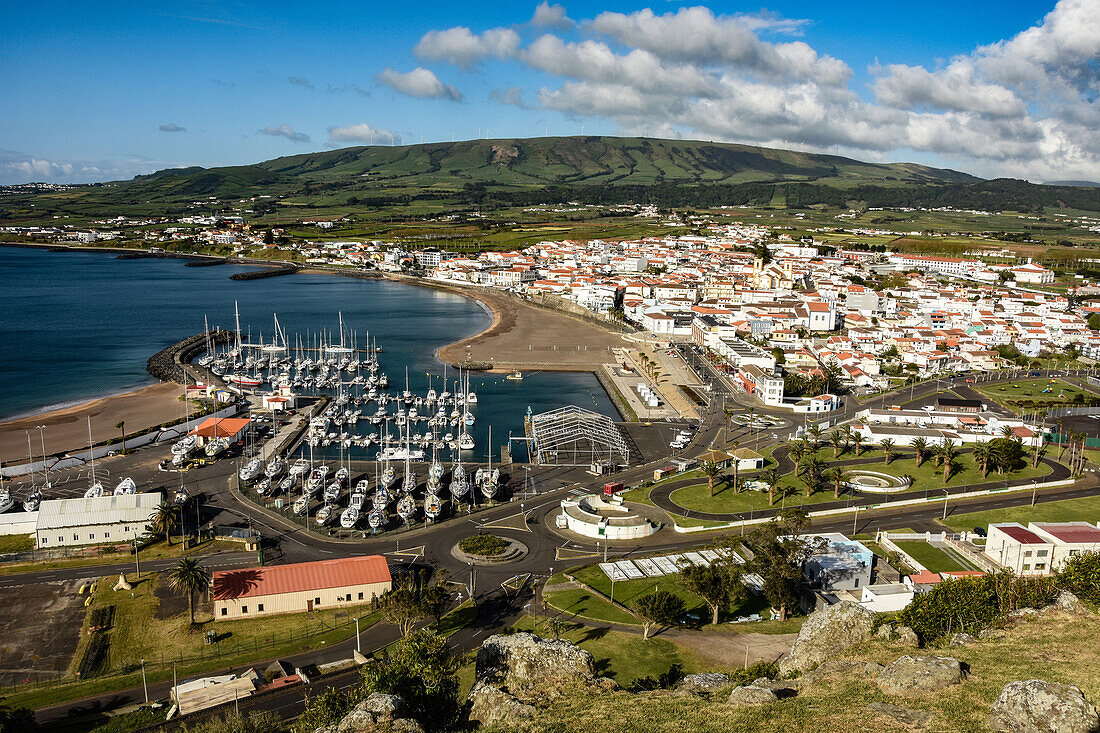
(67, 428)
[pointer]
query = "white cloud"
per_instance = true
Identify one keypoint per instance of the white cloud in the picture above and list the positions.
(285, 131)
(1025, 106)
(17, 167)
(551, 16)
(462, 48)
(419, 82)
(364, 133)
(512, 96)
(172, 127)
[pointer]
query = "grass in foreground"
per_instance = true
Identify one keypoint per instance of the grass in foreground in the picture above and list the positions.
(1070, 510)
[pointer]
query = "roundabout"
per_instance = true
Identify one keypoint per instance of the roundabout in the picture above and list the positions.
(488, 549)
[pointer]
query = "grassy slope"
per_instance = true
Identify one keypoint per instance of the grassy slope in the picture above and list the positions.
(1058, 650)
(1071, 510)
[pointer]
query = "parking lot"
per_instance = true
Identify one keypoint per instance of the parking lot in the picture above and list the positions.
(39, 630)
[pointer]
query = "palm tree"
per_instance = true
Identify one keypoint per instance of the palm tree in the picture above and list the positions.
(836, 477)
(796, 449)
(163, 520)
(730, 412)
(771, 478)
(920, 445)
(121, 426)
(887, 445)
(982, 454)
(838, 439)
(948, 453)
(711, 470)
(814, 432)
(736, 468)
(189, 577)
(857, 440)
(811, 473)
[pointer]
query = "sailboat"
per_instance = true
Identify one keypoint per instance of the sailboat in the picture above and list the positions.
(274, 467)
(433, 506)
(251, 469)
(96, 489)
(406, 507)
(126, 486)
(32, 502)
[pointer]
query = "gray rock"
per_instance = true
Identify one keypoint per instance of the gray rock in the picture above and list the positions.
(917, 675)
(906, 716)
(520, 662)
(749, 695)
(986, 634)
(1037, 706)
(962, 640)
(405, 725)
(826, 633)
(1068, 603)
(842, 668)
(490, 704)
(376, 709)
(906, 635)
(704, 682)
(782, 688)
(885, 632)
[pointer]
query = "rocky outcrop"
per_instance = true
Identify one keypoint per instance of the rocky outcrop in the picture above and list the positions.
(905, 716)
(826, 633)
(515, 670)
(750, 695)
(841, 668)
(520, 662)
(1069, 603)
(378, 713)
(704, 682)
(963, 640)
(1037, 706)
(917, 675)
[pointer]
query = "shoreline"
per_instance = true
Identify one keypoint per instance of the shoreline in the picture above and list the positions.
(145, 405)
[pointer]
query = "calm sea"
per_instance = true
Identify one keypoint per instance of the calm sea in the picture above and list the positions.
(79, 325)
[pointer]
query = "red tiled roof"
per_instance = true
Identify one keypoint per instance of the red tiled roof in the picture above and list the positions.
(1021, 535)
(226, 427)
(266, 581)
(1072, 533)
(925, 578)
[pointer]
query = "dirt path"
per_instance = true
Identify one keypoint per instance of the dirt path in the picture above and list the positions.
(729, 650)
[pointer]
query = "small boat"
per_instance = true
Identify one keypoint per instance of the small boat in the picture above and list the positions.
(94, 492)
(6, 500)
(349, 517)
(465, 442)
(433, 506)
(381, 499)
(263, 486)
(332, 492)
(243, 380)
(342, 476)
(216, 447)
(471, 398)
(185, 446)
(33, 501)
(287, 484)
(275, 467)
(181, 496)
(299, 468)
(376, 519)
(406, 507)
(389, 476)
(126, 486)
(251, 470)
(359, 495)
(323, 515)
(514, 376)
(468, 419)
(301, 505)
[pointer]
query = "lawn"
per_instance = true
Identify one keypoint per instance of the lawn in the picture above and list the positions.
(158, 550)
(16, 543)
(585, 603)
(933, 558)
(1070, 510)
(1032, 393)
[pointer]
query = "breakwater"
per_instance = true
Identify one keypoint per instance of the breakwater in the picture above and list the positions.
(167, 364)
(267, 272)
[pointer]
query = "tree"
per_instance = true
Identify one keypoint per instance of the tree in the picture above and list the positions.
(797, 450)
(718, 584)
(164, 520)
(887, 445)
(814, 431)
(771, 478)
(421, 669)
(13, 720)
(920, 445)
(659, 608)
(836, 477)
(555, 625)
(857, 441)
(121, 426)
(1080, 575)
(1093, 321)
(779, 551)
(1005, 453)
(402, 607)
(981, 457)
(947, 453)
(711, 470)
(811, 473)
(838, 439)
(190, 577)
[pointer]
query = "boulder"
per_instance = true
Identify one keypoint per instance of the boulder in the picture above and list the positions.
(885, 632)
(906, 635)
(782, 688)
(750, 695)
(704, 682)
(917, 675)
(378, 712)
(827, 633)
(842, 668)
(962, 640)
(986, 634)
(490, 704)
(905, 716)
(525, 662)
(1068, 603)
(1037, 706)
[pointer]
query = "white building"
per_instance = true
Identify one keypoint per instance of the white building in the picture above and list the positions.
(106, 520)
(1041, 547)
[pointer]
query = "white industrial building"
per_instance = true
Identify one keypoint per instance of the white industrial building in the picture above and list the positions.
(103, 520)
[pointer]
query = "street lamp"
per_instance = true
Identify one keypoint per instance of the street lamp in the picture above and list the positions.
(143, 683)
(946, 494)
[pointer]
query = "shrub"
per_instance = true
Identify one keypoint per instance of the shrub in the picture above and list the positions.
(968, 605)
(1081, 576)
(233, 722)
(753, 672)
(327, 708)
(483, 544)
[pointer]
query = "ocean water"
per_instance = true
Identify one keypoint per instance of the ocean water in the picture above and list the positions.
(75, 326)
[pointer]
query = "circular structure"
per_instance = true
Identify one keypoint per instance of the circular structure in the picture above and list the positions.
(593, 516)
(512, 551)
(873, 482)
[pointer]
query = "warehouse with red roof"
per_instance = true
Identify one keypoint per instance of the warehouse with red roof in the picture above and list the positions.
(307, 586)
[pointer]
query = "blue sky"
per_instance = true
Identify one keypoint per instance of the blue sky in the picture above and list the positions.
(103, 91)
